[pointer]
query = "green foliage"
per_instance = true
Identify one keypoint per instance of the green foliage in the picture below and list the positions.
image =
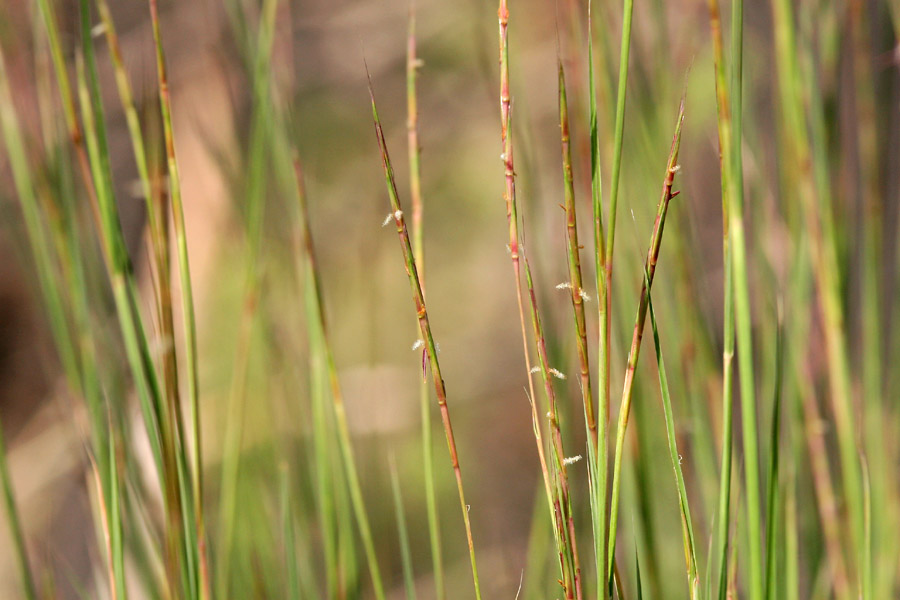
(289, 497)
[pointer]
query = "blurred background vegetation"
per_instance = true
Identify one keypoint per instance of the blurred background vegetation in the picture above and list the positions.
(254, 85)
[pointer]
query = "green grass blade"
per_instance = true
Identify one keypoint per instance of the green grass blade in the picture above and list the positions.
(402, 533)
(425, 328)
(742, 309)
(321, 345)
(187, 302)
(624, 54)
(650, 266)
(772, 485)
(36, 232)
(288, 537)
(599, 459)
(683, 505)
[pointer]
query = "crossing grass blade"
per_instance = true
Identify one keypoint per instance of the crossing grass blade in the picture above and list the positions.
(690, 554)
(650, 267)
(425, 328)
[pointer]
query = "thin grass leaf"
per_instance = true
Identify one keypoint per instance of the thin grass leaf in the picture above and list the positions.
(742, 308)
(599, 456)
(514, 243)
(573, 251)
(606, 286)
(687, 526)
(772, 485)
(650, 267)
(637, 561)
(425, 328)
(23, 182)
(322, 347)
(402, 533)
(187, 308)
(726, 166)
(288, 538)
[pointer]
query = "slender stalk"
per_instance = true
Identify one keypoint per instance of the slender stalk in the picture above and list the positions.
(513, 245)
(316, 309)
(557, 489)
(723, 109)
(23, 182)
(154, 198)
(104, 525)
(829, 513)
(772, 485)
(158, 415)
(574, 260)
(187, 301)
(599, 467)
(565, 525)
(402, 532)
(803, 105)
(624, 53)
(742, 308)
(687, 526)
(808, 423)
(650, 268)
(418, 247)
(425, 328)
(76, 135)
(575, 283)
(288, 535)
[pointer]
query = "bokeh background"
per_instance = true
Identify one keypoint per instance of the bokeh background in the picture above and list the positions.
(318, 70)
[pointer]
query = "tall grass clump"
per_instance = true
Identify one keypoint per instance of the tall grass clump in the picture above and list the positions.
(221, 335)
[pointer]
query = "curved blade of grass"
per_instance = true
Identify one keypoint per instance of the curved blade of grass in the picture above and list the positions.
(425, 328)
(687, 526)
(650, 267)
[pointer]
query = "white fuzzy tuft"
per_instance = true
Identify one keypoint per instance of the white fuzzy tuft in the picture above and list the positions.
(557, 374)
(571, 460)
